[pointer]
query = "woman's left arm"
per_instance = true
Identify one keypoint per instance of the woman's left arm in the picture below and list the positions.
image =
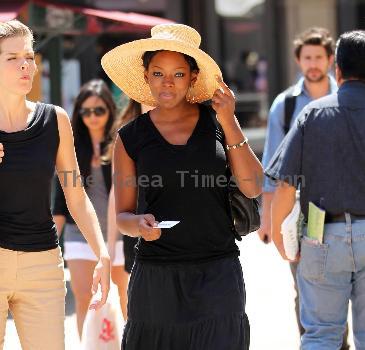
(245, 166)
(80, 206)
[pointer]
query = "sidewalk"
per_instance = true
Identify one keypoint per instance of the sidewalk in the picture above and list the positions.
(270, 297)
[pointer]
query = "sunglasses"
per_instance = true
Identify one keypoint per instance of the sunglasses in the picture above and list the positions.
(98, 111)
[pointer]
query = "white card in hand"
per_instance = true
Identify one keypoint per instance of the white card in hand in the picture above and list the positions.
(167, 224)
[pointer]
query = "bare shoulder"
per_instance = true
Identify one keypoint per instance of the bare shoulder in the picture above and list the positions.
(63, 119)
(61, 113)
(65, 155)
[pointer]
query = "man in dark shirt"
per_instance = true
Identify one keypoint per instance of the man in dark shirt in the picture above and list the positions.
(323, 155)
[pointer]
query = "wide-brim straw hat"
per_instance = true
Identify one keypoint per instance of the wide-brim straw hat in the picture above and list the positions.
(124, 65)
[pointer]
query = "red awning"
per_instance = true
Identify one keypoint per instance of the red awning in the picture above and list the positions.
(9, 10)
(135, 20)
(131, 18)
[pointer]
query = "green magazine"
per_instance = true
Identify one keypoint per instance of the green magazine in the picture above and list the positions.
(316, 218)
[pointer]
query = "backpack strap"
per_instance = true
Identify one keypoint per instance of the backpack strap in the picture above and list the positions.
(289, 107)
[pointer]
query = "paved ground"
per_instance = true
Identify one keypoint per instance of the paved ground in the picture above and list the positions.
(270, 305)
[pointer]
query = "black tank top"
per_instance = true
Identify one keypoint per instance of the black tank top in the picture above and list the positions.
(181, 183)
(25, 183)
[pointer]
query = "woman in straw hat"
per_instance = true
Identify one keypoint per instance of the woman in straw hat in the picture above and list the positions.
(34, 139)
(186, 289)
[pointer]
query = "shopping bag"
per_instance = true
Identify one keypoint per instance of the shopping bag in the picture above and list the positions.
(103, 328)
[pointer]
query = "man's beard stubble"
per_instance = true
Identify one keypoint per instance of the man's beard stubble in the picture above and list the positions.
(318, 79)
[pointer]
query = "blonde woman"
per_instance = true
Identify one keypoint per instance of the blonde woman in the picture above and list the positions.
(35, 139)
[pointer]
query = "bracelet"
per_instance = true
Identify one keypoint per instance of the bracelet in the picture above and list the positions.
(237, 145)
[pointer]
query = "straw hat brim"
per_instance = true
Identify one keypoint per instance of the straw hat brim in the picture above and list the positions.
(124, 66)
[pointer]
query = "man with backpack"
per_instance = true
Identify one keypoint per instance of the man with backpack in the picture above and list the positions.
(314, 56)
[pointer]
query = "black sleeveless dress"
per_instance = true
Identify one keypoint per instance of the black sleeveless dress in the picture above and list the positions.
(186, 289)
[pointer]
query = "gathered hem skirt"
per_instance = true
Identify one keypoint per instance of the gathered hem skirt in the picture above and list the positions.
(187, 307)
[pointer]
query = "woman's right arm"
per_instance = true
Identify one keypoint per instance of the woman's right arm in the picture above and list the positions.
(125, 191)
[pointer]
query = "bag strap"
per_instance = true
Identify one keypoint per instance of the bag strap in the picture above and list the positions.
(289, 107)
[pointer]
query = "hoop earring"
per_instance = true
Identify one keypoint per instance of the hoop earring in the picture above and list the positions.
(189, 96)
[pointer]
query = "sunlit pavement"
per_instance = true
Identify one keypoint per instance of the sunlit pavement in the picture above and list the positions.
(270, 302)
(270, 297)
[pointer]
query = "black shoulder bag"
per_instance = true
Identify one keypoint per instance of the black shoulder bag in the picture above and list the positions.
(244, 211)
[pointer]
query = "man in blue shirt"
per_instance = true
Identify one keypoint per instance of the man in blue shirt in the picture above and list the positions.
(323, 155)
(313, 51)
(314, 56)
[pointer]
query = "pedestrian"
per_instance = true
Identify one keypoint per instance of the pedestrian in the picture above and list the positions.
(186, 289)
(129, 113)
(36, 138)
(93, 119)
(323, 156)
(313, 51)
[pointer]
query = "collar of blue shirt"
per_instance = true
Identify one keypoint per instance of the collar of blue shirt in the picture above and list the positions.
(351, 94)
(299, 87)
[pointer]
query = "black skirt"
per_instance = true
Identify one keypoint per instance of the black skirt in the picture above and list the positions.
(187, 307)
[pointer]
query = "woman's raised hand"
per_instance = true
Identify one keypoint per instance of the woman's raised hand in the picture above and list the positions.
(223, 102)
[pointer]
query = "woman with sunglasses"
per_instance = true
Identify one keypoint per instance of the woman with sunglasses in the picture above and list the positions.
(93, 119)
(36, 138)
